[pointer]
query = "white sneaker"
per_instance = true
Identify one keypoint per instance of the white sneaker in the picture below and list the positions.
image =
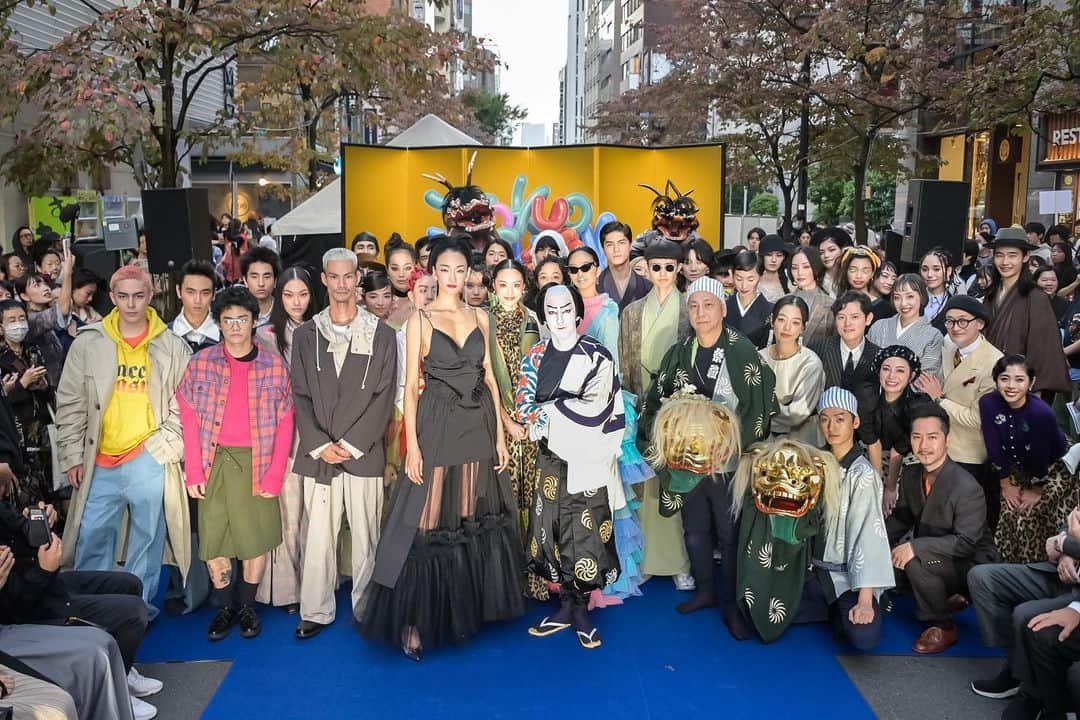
(685, 582)
(142, 710)
(141, 686)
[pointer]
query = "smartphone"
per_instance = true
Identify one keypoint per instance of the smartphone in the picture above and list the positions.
(37, 528)
(67, 244)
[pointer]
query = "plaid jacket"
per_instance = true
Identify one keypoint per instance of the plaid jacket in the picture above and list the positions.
(205, 388)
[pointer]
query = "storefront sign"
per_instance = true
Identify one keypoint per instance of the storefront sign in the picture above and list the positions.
(1061, 143)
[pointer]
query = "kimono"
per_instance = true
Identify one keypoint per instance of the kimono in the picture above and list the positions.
(1025, 325)
(920, 337)
(648, 329)
(744, 384)
(511, 334)
(636, 342)
(854, 549)
(572, 407)
(754, 324)
(637, 287)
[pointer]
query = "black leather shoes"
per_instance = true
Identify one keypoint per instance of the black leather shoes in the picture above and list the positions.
(221, 624)
(308, 629)
(250, 625)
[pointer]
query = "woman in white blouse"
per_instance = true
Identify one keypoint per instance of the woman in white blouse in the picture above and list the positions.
(800, 376)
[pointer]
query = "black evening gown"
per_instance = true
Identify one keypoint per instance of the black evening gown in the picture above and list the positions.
(450, 556)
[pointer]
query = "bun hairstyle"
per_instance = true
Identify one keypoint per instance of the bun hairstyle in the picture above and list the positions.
(441, 244)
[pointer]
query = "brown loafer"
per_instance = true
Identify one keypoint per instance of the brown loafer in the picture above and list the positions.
(957, 603)
(935, 640)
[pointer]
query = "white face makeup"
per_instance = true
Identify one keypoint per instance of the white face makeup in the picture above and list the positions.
(560, 315)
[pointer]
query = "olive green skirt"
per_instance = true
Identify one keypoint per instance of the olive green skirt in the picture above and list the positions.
(233, 523)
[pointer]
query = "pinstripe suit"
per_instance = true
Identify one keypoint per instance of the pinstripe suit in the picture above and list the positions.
(862, 382)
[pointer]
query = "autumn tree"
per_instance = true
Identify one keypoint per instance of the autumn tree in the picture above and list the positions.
(863, 65)
(389, 63)
(122, 88)
(1030, 65)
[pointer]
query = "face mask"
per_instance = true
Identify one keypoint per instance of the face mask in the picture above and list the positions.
(16, 332)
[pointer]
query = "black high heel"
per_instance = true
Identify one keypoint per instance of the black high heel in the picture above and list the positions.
(408, 636)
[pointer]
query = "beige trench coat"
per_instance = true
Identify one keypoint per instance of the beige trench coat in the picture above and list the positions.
(86, 386)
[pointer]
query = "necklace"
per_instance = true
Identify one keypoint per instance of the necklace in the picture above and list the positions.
(775, 352)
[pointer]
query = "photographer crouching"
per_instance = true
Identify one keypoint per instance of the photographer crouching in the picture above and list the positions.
(39, 601)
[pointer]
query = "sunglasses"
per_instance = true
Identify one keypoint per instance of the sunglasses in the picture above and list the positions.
(656, 267)
(580, 268)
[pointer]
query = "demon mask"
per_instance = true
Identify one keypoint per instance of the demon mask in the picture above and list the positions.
(674, 212)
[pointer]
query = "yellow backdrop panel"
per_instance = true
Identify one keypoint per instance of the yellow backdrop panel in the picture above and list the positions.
(383, 190)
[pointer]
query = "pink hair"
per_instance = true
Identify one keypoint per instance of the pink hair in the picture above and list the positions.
(130, 272)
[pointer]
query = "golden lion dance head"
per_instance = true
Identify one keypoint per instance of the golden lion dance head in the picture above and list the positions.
(693, 434)
(783, 485)
(788, 478)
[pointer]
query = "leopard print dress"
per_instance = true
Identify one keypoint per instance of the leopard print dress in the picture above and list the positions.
(1021, 537)
(524, 474)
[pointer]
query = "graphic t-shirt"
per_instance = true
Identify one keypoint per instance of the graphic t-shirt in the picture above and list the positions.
(129, 416)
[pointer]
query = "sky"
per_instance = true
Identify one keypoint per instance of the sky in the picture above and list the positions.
(530, 37)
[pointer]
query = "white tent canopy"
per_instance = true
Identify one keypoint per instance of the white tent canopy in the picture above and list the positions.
(431, 131)
(320, 214)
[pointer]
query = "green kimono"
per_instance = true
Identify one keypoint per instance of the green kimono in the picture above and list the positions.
(752, 384)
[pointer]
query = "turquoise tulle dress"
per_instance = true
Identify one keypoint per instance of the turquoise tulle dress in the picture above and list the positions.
(601, 321)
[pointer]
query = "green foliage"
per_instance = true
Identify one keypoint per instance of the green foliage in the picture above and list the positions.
(765, 204)
(494, 115)
(834, 198)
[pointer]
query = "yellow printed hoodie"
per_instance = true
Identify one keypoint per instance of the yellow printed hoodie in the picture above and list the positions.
(129, 417)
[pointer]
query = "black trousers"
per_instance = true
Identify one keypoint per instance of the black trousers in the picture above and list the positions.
(814, 606)
(707, 524)
(932, 582)
(111, 599)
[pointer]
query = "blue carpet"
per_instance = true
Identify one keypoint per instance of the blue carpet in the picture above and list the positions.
(654, 664)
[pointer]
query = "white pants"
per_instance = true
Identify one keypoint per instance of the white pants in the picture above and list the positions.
(360, 499)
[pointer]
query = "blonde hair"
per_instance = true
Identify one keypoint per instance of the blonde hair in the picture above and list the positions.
(807, 455)
(691, 424)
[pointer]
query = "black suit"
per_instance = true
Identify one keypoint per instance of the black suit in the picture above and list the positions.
(755, 324)
(862, 382)
(948, 532)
